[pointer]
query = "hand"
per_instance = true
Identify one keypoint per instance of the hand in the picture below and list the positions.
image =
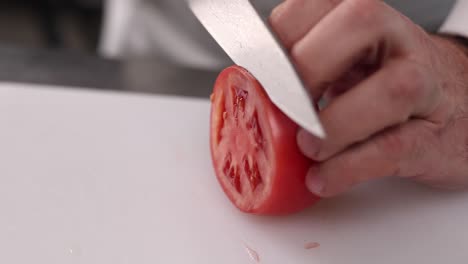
(398, 96)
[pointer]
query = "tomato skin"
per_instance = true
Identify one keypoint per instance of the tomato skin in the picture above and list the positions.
(286, 192)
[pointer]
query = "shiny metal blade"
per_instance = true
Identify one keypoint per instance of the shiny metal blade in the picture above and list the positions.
(245, 37)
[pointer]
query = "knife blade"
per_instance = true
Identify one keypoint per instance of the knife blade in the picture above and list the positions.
(240, 31)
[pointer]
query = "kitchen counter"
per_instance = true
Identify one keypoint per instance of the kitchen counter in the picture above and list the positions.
(65, 68)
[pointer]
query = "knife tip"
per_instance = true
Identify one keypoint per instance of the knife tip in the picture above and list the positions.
(316, 129)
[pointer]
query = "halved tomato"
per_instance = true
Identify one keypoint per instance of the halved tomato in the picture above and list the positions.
(254, 150)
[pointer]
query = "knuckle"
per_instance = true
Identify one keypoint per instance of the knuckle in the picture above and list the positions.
(349, 165)
(309, 72)
(408, 84)
(390, 144)
(344, 164)
(298, 3)
(282, 20)
(343, 168)
(332, 3)
(365, 11)
(281, 12)
(298, 55)
(276, 15)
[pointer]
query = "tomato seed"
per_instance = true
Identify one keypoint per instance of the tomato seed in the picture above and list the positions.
(246, 164)
(243, 94)
(222, 122)
(255, 178)
(232, 172)
(236, 180)
(227, 164)
(239, 98)
(235, 104)
(252, 173)
(252, 124)
(225, 114)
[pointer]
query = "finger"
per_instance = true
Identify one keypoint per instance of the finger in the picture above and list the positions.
(389, 97)
(292, 19)
(353, 31)
(357, 74)
(401, 151)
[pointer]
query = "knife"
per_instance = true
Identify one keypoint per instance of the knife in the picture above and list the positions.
(240, 31)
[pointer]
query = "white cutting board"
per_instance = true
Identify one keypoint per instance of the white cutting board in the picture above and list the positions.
(105, 178)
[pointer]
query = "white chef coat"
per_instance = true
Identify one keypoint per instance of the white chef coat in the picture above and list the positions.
(166, 29)
(457, 21)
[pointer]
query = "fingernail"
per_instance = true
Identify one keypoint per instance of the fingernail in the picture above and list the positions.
(308, 144)
(314, 182)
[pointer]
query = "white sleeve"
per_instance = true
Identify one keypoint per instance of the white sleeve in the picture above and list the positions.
(116, 26)
(457, 21)
(142, 29)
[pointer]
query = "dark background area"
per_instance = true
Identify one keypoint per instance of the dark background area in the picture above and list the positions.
(55, 42)
(52, 24)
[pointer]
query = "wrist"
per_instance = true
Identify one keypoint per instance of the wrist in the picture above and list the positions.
(450, 63)
(457, 41)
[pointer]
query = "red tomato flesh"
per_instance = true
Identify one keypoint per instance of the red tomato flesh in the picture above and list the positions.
(253, 146)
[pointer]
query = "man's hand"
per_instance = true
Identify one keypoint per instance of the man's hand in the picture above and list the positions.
(398, 96)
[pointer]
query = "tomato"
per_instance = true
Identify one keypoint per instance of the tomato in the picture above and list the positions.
(253, 147)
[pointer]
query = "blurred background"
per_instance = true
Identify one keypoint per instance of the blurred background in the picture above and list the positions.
(59, 42)
(56, 42)
(52, 24)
